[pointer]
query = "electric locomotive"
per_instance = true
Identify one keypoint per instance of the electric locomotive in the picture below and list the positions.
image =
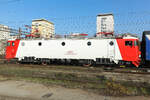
(87, 51)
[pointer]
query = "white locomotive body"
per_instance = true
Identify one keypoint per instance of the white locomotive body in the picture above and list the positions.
(86, 51)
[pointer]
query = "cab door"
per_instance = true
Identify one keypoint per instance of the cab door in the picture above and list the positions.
(131, 50)
(111, 49)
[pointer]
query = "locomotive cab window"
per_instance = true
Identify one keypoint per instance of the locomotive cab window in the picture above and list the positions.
(136, 43)
(23, 44)
(13, 43)
(128, 43)
(8, 43)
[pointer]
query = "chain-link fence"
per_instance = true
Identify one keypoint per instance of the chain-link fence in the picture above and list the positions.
(132, 22)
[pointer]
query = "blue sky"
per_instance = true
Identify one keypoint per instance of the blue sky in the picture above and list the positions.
(16, 13)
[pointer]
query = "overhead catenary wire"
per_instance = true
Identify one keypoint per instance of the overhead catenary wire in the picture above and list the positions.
(131, 22)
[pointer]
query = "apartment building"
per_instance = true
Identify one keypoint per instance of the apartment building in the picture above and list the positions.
(4, 32)
(105, 23)
(43, 28)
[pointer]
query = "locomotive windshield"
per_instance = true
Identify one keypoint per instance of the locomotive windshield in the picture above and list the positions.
(128, 43)
(13, 43)
(8, 43)
(136, 43)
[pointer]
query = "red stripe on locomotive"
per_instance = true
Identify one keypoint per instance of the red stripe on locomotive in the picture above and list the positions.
(11, 49)
(129, 49)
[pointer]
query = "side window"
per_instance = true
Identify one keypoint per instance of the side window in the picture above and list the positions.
(13, 43)
(128, 43)
(89, 43)
(111, 43)
(23, 44)
(136, 43)
(8, 43)
(63, 43)
(40, 43)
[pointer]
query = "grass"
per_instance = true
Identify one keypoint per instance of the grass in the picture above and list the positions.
(97, 83)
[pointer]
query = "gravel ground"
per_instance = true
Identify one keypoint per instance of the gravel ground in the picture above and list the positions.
(13, 98)
(34, 91)
(21, 90)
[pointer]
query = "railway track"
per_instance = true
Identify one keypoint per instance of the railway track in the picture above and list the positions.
(87, 69)
(97, 69)
(74, 74)
(98, 78)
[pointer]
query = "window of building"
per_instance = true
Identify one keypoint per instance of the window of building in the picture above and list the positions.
(104, 19)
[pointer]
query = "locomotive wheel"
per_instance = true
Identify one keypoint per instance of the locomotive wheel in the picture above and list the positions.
(44, 63)
(89, 63)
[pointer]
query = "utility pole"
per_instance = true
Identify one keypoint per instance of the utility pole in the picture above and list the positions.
(20, 32)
